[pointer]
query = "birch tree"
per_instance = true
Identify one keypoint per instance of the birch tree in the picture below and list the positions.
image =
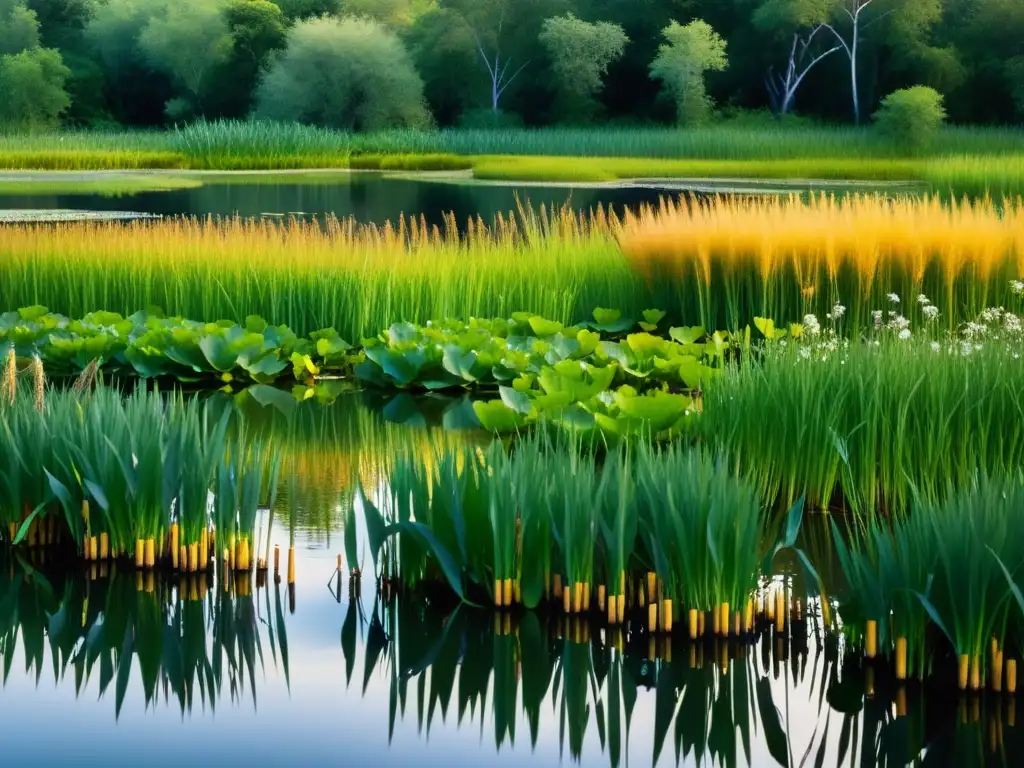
(805, 21)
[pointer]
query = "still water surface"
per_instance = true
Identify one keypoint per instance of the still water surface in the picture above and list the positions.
(105, 667)
(368, 197)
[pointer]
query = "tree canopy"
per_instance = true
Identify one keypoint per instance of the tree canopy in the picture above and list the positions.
(346, 73)
(153, 62)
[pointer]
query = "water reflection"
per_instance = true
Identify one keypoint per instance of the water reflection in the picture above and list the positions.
(367, 197)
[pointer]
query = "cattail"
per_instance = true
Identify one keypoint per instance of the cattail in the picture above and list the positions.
(277, 559)
(193, 557)
(38, 383)
(182, 558)
(871, 639)
(150, 553)
(291, 565)
(666, 613)
(507, 593)
(600, 597)
(140, 553)
(962, 671)
(692, 621)
(652, 617)
(723, 622)
(901, 658)
(975, 673)
(10, 380)
(1011, 676)
(620, 609)
(87, 378)
(497, 593)
(104, 545)
(567, 600)
(174, 547)
(997, 672)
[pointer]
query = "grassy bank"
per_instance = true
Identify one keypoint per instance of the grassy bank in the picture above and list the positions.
(972, 160)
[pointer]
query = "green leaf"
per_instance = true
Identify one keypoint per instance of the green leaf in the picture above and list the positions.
(653, 316)
(517, 401)
(543, 327)
(687, 335)
(606, 316)
(23, 530)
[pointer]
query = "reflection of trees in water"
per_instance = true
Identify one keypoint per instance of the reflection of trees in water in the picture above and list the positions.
(197, 637)
(718, 702)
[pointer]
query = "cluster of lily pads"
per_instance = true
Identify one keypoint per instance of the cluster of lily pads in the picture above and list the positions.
(611, 374)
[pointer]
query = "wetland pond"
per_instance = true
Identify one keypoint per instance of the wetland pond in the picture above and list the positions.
(137, 667)
(363, 195)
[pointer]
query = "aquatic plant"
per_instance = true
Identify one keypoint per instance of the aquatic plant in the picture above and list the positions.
(866, 426)
(783, 258)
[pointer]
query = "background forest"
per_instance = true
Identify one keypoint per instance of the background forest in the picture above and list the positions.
(369, 64)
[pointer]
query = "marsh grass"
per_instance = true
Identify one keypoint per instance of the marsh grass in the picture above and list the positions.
(553, 521)
(870, 427)
(967, 159)
(357, 279)
(786, 257)
(113, 186)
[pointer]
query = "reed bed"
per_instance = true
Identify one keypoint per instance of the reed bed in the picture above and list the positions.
(354, 278)
(665, 534)
(950, 565)
(131, 478)
(867, 427)
(783, 258)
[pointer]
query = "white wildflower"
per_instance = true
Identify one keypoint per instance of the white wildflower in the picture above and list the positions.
(905, 334)
(876, 315)
(899, 323)
(1017, 286)
(930, 312)
(805, 353)
(966, 348)
(936, 346)
(923, 300)
(838, 310)
(811, 325)
(893, 298)
(1011, 323)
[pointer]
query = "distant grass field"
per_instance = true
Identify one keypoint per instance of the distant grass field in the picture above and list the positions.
(974, 161)
(114, 186)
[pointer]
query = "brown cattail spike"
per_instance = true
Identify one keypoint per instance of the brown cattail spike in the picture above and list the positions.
(38, 383)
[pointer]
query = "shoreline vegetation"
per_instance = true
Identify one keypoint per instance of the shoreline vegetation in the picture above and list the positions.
(975, 161)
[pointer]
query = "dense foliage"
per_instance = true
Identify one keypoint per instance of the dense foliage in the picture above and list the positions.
(151, 62)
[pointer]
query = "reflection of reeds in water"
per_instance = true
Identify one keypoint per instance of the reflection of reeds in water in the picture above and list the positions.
(712, 699)
(196, 639)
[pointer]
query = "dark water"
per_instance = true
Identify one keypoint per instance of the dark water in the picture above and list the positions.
(106, 667)
(367, 197)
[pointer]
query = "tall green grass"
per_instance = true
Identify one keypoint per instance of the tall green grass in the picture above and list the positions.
(352, 278)
(870, 427)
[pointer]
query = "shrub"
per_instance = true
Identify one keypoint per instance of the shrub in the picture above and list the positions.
(911, 117)
(344, 73)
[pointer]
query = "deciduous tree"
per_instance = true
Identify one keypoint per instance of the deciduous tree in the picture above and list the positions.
(682, 62)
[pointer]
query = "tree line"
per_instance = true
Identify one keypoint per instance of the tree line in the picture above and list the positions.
(369, 64)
